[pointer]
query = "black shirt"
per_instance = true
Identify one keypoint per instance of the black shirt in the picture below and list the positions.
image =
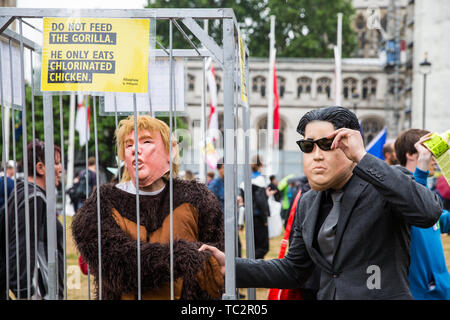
(277, 195)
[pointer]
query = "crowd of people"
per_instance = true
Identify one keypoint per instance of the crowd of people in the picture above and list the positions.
(364, 228)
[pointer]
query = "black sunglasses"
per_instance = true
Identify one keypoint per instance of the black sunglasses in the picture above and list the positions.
(308, 145)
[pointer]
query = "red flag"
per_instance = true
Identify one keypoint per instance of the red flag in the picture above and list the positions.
(213, 122)
(276, 109)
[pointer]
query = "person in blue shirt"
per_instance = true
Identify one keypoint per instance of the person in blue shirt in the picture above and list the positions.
(9, 188)
(217, 185)
(429, 278)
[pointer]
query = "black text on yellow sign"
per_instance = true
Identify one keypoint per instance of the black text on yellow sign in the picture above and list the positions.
(101, 55)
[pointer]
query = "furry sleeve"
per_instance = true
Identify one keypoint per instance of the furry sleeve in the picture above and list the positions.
(119, 251)
(211, 231)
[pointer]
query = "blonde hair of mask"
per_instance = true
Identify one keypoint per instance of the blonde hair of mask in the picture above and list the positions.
(145, 122)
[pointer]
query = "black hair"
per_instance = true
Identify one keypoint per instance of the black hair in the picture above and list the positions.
(405, 143)
(40, 155)
(340, 117)
(256, 163)
(387, 148)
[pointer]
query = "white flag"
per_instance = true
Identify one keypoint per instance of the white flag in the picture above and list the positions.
(81, 125)
(213, 121)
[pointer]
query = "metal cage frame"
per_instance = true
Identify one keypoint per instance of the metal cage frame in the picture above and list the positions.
(226, 56)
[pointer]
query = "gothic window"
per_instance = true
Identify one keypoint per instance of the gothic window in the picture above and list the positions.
(369, 88)
(191, 82)
(370, 128)
(384, 22)
(281, 83)
(324, 86)
(259, 85)
(391, 85)
(360, 22)
(349, 88)
(303, 86)
(218, 82)
(262, 136)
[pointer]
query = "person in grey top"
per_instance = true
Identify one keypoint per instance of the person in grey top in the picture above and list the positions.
(353, 226)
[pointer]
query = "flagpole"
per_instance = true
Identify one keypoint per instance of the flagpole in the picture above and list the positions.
(71, 153)
(6, 123)
(202, 161)
(270, 96)
(338, 61)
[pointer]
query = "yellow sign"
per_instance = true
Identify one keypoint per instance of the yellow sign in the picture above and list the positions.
(244, 97)
(439, 145)
(96, 55)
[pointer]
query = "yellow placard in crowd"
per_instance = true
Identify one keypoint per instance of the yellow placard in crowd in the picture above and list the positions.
(95, 55)
(244, 96)
(439, 145)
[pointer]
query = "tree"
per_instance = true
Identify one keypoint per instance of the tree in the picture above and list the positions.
(105, 130)
(304, 28)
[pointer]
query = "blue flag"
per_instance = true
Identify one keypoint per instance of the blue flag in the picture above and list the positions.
(375, 147)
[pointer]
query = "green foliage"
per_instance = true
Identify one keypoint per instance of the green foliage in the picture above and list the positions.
(303, 28)
(105, 130)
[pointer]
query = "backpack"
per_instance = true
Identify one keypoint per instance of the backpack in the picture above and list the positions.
(80, 187)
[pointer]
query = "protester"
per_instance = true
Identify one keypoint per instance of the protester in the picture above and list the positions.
(389, 154)
(302, 185)
(9, 188)
(366, 254)
(429, 278)
(283, 186)
(217, 185)
(188, 175)
(77, 192)
(273, 188)
(77, 195)
(38, 264)
(275, 223)
(443, 189)
(10, 169)
(197, 219)
(261, 209)
(210, 177)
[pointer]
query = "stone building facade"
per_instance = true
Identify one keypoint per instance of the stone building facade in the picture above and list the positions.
(303, 84)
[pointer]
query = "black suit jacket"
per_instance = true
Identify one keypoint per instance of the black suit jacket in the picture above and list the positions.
(371, 258)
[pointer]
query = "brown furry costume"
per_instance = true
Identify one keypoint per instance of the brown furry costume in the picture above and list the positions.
(197, 219)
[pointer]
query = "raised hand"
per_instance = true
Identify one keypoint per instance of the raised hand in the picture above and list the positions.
(423, 161)
(350, 142)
